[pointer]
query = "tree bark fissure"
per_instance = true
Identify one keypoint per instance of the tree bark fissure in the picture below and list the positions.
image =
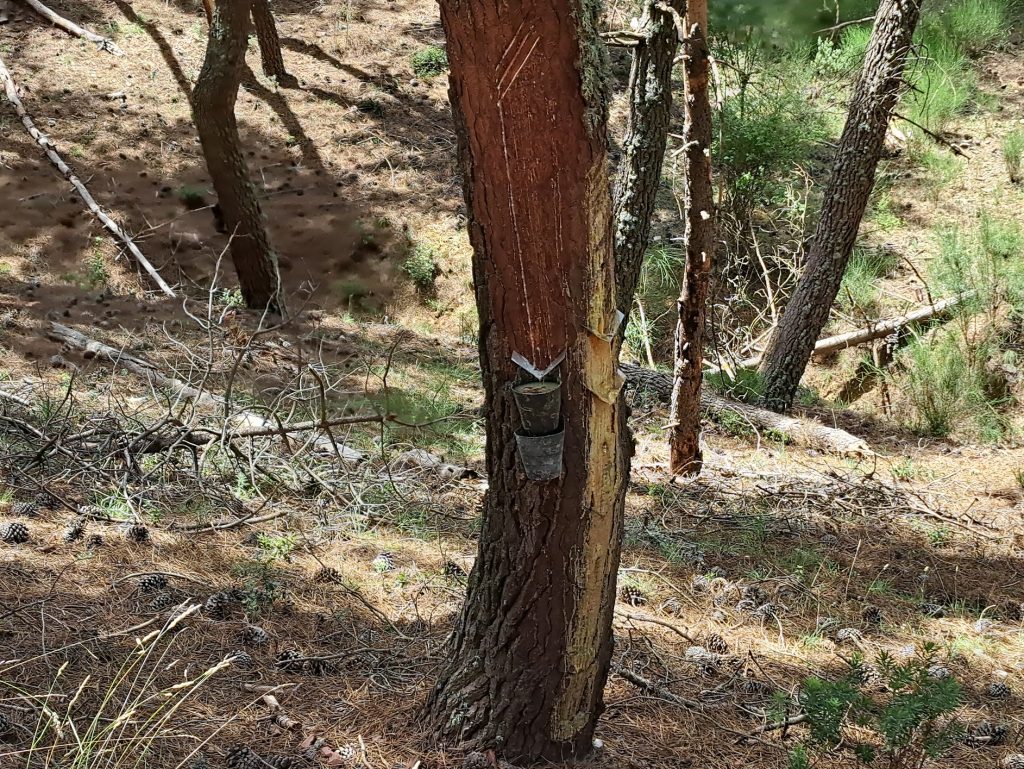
(846, 199)
(213, 109)
(684, 434)
(643, 146)
(531, 650)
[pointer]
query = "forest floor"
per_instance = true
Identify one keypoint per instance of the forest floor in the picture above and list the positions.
(362, 567)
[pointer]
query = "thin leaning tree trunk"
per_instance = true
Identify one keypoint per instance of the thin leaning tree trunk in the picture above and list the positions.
(846, 198)
(531, 650)
(213, 109)
(643, 146)
(686, 458)
(271, 57)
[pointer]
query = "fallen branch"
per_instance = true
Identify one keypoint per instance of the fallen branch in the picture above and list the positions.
(801, 431)
(874, 330)
(658, 691)
(11, 90)
(937, 138)
(104, 43)
(91, 349)
(771, 727)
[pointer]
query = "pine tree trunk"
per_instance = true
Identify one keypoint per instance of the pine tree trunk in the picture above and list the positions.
(213, 109)
(684, 436)
(531, 651)
(643, 146)
(270, 44)
(846, 198)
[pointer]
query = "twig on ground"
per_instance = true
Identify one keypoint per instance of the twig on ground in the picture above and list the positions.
(41, 139)
(658, 691)
(104, 43)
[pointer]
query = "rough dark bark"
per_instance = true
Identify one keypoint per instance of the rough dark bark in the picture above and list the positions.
(643, 146)
(684, 435)
(213, 110)
(846, 199)
(531, 651)
(270, 44)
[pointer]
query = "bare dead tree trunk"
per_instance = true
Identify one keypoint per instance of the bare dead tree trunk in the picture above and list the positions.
(213, 109)
(846, 199)
(684, 435)
(643, 146)
(270, 44)
(531, 651)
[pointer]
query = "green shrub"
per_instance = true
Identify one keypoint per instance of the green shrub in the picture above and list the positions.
(430, 61)
(1013, 154)
(766, 128)
(421, 266)
(970, 25)
(989, 261)
(911, 720)
(657, 291)
(859, 290)
(947, 385)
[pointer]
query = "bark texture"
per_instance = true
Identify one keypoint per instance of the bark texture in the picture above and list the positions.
(213, 110)
(684, 435)
(846, 199)
(531, 651)
(270, 44)
(643, 146)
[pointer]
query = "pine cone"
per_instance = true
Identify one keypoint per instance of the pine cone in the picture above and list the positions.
(754, 593)
(198, 761)
(1013, 761)
(254, 635)
(848, 635)
(998, 690)
(75, 531)
(713, 642)
(241, 757)
(152, 583)
(766, 611)
(327, 575)
(94, 541)
(672, 607)
(15, 533)
(871, 616)
(6, 727)
(218, 605)
(753, 686)
(985, 733)
(318, 667)
(137, 533)
(47, 500)
(939, 671)
(25, 509)
(290, 661)
(163, 600)
(384, 562)
(452, 570)
(633, 595)
(935, 610)
(241, 658)
(700, 584)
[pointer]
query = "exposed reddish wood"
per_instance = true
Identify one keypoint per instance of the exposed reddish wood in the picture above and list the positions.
(531, 651)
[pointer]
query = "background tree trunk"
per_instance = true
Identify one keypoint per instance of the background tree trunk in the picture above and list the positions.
(531, 651)
(213, 109)
(845, 201)
(643, 146)
(270, 44)
(684, 435)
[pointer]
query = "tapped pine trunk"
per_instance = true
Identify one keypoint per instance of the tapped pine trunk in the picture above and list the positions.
(213, 110)
(846, 199)
(531, 651)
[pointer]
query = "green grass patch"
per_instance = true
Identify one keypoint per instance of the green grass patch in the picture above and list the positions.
(421, 265)
(859, 291)
(1013, 154)
(430, 61)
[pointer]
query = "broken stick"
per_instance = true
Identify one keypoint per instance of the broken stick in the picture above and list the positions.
(104, 43)
(11, 89)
